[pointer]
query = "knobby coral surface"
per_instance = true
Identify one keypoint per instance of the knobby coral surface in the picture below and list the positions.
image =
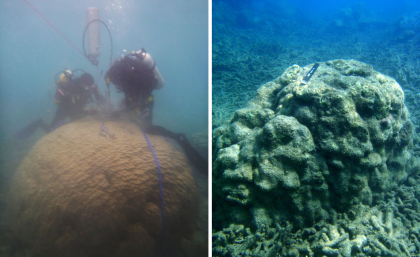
(299, 154)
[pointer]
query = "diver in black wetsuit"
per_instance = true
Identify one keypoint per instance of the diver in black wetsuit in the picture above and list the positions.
(137, 76)
(71, 96)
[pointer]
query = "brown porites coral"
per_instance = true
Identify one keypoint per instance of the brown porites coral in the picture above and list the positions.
(78, 193)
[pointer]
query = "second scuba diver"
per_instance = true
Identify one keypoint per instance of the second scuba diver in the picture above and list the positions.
(71, 96)
(136, 75)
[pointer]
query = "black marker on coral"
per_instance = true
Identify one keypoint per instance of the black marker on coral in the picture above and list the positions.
(308, 76)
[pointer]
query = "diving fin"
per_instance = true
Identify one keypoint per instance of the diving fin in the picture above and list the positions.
(28, 130)
(193, 156)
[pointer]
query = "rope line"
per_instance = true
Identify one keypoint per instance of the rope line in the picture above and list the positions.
(162, 205)
(56, 29)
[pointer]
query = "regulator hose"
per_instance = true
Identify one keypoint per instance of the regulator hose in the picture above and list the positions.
(93, 61)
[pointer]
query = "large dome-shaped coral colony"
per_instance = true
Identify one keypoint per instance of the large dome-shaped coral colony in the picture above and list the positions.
(318, 169)
(81, 194)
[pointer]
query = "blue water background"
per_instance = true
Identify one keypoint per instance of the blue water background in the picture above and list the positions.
(320, 10)
(254, 41)
(175, 33)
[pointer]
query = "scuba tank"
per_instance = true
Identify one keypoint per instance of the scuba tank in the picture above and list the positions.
(92, 15)
(65, 77)
(145, 59)
(62, 80)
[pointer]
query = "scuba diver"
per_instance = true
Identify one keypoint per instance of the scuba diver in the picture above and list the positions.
(136, 75)
(71, 96)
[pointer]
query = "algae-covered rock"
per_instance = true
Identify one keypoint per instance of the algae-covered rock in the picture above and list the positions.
(305, 153)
